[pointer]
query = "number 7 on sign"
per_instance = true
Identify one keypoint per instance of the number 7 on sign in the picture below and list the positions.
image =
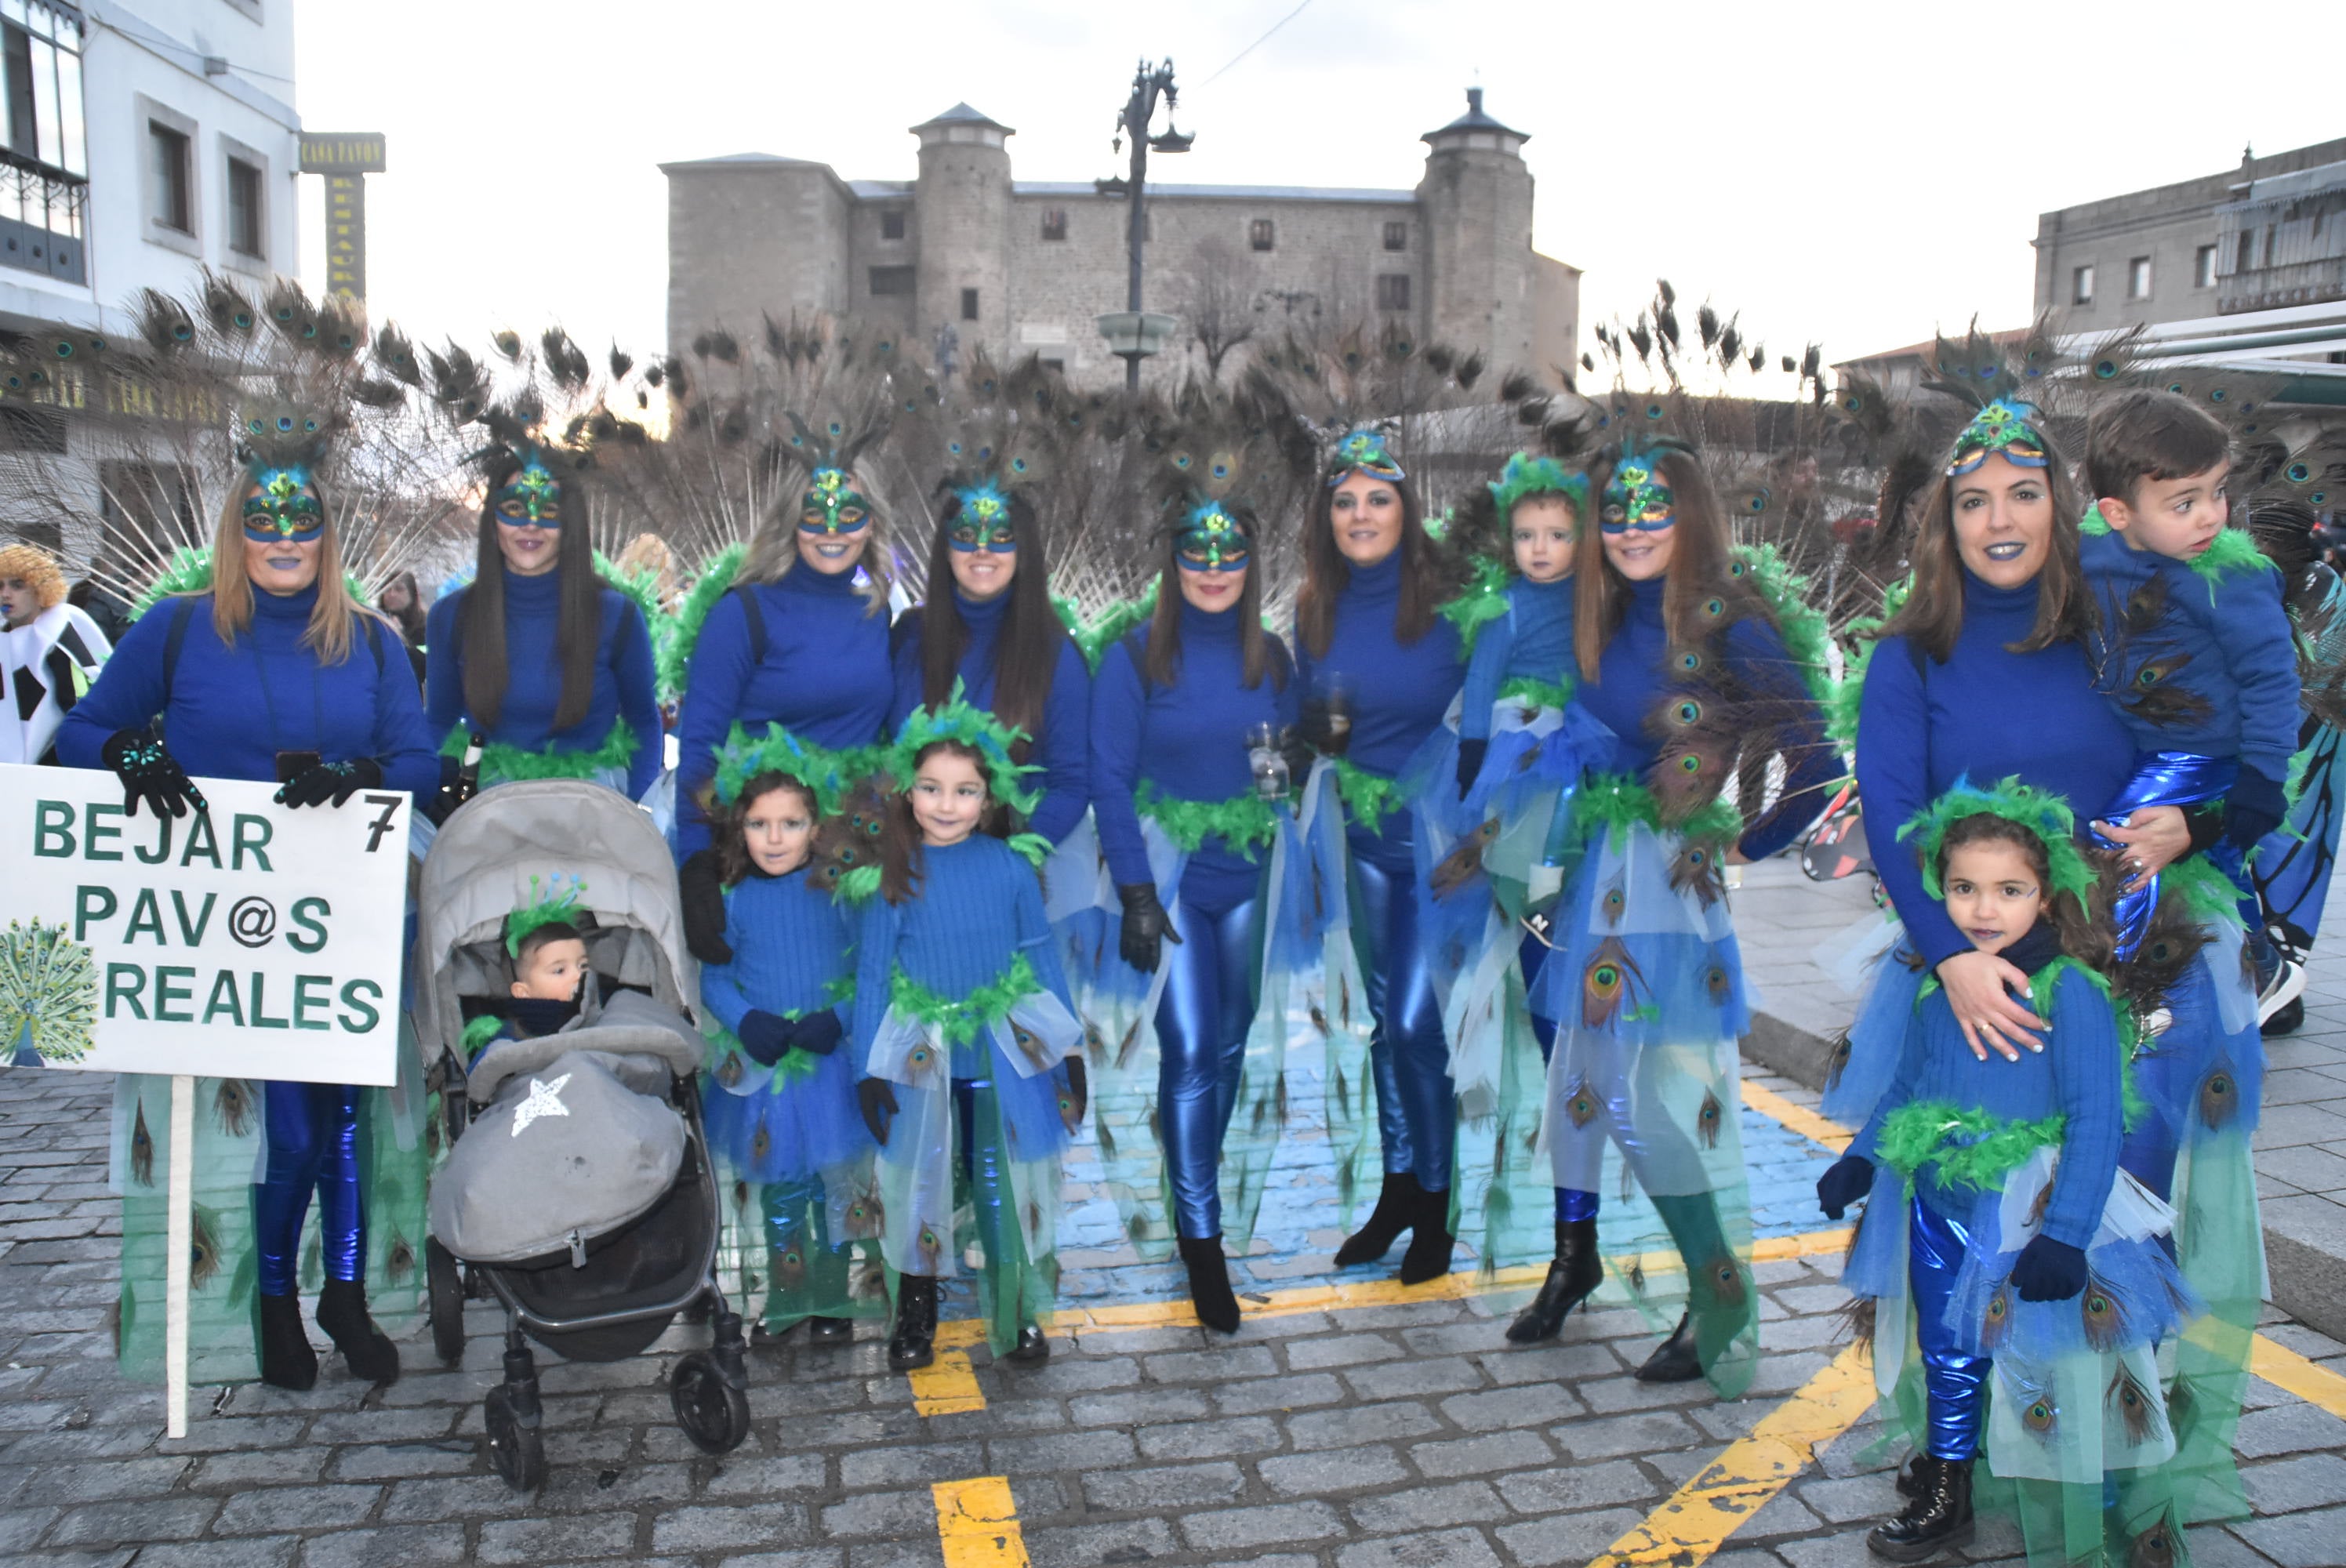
(382, 824)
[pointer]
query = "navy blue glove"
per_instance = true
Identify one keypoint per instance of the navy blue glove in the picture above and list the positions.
(765, 1036)
(877, 1100)
(2253, 807)
(1849, 1178)
(2048, 1270)
(818, 1034)
(1470, 764)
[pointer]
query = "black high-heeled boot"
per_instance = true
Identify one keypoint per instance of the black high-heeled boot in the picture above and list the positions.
(1938, 1516)
(830, 1330)
(914, 1342)
(1575, 1275)
(1396, 1202)
(287, 1361)
(1431, 1245)
(1675, 1359)
(1209, 1282)
(343, 1314)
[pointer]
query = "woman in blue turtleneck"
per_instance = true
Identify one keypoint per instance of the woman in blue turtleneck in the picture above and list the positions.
(1172, 714)
(273, 674)
(1378, 666)
(800, 643)
(989, 625)
(551, 665)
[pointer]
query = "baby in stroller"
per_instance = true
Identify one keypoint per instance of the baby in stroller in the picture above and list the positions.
(549, 970)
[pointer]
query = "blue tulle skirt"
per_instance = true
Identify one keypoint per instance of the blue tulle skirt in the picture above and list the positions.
(784, 1127)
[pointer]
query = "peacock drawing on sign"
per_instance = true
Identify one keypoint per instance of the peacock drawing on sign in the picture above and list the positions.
(48, 994)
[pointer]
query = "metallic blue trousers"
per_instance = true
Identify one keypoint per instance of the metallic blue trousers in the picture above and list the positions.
(1953, 1383)
(314, 1146)
(1202, 1021)
(1416, 1101)
(2167, 779)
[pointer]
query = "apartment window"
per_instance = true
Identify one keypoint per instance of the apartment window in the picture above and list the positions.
(892, 225)
(886, 280)
(2139, 278)
(1396, 236)
(170, 183)
(1054, 223)
(1058, 365)
(2081, 285)
(1392, 292)
(248, 220)
(969, 304)
(2245, 254)
(1259, 234)
(2203, 268)
(40, 67)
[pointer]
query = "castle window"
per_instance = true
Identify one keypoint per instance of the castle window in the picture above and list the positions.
(969, 304)
(2203, 268)
(2139, 278)
(2248, 251)
(1396, 236)
(1259, 234)
(2081, 285)
(1392, 292)
(1054, 223)
(892, 225)
(888, 280)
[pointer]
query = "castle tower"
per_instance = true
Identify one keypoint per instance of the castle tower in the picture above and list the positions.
(1477, 198)
(962, 207)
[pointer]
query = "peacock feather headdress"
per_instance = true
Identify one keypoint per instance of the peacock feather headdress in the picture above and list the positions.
(2044, 815)
(282, 444)
(552, 900)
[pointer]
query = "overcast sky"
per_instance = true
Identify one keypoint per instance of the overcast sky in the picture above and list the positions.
(1857, 173)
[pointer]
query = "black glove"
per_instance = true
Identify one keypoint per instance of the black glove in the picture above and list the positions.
(1146, 926)
(329, 782)
(2205, 823)
(703, 897)
(765, 1036)
(1470, 764)
(151, 773)
(1078, 1094)
(2048, 1270)
(2253, 808)
(877, 1099)
(818, 1034)
(1849, 1178)
(1325, 728)
(1297, 754)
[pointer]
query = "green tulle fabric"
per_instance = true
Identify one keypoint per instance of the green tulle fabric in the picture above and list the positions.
(1608, 800)
(1369, 798)
(674, 656)
(962, 1019)
(1483, 600)
(2047, 815)
(502, 763)
(1986, 1148)
(1243, 821)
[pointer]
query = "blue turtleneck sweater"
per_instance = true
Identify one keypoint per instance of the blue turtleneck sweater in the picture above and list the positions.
(1633, 679)
(1188, 740)
(623, 676)
(1533, 641)
(1063, 747)
(1987, 713)
(790, 943)
(232, 708)
(825, 679)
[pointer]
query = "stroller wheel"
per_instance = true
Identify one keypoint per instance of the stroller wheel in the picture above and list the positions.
(443, 1280)
(517, 1452)
(712, 1412)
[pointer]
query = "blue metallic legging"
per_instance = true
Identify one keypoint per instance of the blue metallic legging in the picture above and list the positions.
(314, 1146)
(1416, 1108)
(1952, 1381)
(2167, 779)
(1202, 1021)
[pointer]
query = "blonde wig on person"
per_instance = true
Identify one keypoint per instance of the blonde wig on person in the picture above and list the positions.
(38, 569)
(331, 619)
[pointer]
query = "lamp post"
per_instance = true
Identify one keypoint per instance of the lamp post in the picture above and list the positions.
(1133, 336)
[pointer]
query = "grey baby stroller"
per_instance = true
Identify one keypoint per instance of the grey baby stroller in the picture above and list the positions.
(577, 1190)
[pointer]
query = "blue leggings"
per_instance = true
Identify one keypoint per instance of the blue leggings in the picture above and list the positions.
(314, 1146)
(1953, 1380)
(1202, 1023)
(1416, 1104)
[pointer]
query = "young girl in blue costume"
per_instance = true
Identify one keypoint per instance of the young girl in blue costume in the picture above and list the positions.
(551, 665)
(1378, 666)
(1180, 708)
(271, 673)
(798, 647)
(1681, 656)
(2000, 1239)
(780, 1101)
(973, 1073)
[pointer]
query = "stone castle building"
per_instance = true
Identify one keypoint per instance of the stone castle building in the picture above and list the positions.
(965, 255)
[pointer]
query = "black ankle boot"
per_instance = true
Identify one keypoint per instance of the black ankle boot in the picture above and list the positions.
(1938, 1516)
(343, 1314)
(1429, 1241)
(1395, 1204)
(914, 1342)
(1031, 1349)
(1209, 1282)
(1675, 1359)
(1575, 1275)
(287, 1361)
(830, 1330)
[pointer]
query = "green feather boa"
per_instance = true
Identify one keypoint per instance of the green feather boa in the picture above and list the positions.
(1112, 624)
(2048, 816)
(1805, 635)
(641, 584)
(1369, 798)
(503, 763)
(190, 572)
(960, 1021)
(1483, 600)
(1969, 1146)
(1532, 692)
(2232, 552)
(479, 1032)
(1243, 821)
(2208, 894)
(1610, 801)
(716, 579)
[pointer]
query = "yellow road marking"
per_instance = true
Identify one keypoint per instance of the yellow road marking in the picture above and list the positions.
(2284, 1368)
(946, 1386)
(1699, 1517)
(1799, 1118)
(977, 1523)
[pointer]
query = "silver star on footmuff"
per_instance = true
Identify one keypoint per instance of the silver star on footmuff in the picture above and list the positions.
(542, 1101)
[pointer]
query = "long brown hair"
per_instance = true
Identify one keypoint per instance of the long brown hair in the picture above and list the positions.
(1697, 573)
(578, 619)
(1932, 619)
(727, 827)
(1428, 575)
(1025, 655)
(332, 619)
(900, 849)
(1162, 665)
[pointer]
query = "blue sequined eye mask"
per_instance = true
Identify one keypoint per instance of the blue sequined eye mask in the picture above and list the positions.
(1635, 497)
(982, 522)
(1212, 541)
(1363, 451)
(2004, 425)
(287, 510)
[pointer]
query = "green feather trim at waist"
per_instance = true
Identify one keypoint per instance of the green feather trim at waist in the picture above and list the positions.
(1607, 800)
(1369, 798)
(1242, 821)
(963, 1020)
(1967, 1146)
(793, 1066)
(503, 763)
(1533, 692)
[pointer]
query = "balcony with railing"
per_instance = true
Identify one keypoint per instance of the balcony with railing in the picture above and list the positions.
(2282, 241)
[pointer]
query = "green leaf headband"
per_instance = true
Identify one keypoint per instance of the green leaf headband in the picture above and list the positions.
(974, 727)
(2044, 814)
(555, 904)
(1527, 475)
(1363, 451)
(2003, 424)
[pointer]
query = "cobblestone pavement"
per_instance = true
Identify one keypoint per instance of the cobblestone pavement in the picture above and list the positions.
(1351, 1422)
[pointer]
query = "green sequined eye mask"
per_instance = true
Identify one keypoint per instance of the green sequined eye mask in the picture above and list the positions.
(982, 522)
(833, 505)
(1636, 497)
(1211, 540)
(532, 498)
(2004, 425)
(287, 509)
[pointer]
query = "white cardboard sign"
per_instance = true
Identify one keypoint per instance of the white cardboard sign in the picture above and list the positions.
(250, 941)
